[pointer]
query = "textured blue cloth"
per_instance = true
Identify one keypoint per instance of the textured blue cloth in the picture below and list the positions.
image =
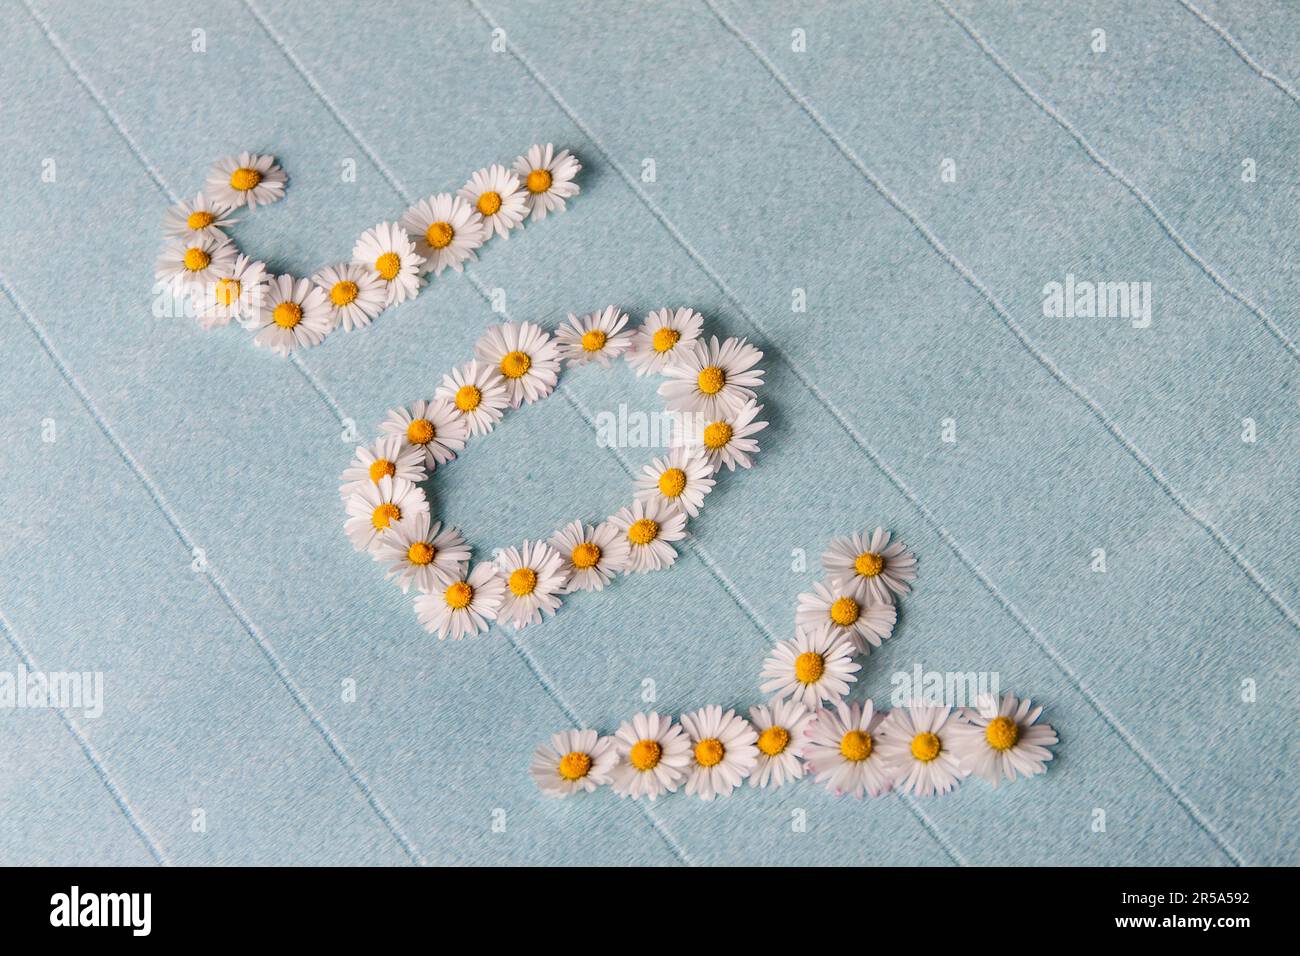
(793, 149)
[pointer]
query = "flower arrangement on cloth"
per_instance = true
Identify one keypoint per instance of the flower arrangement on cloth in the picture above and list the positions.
(809, 728)
(711, 385)
(390, 262)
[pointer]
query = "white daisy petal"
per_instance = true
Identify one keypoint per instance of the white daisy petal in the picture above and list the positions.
(525, 356)
(423, 554)
(727, 440)
(1003, 743)
(248, 180)
(376, 511)
(591, 556)
(842, 750)
(680, 481)
(386, 456)
(547, 177)
(355, 292)
(437, 429)
(465, 607)
(715, 379)
(781, 726)
(499, 197)
(649, 527)
(723, 751)
(594, 338)
(535, 578)
(916, 742)
(478, 394)
(665, 336)
(869, 558)
(446, 231)
(653, 757)
(814, 666)
(850, 612)
(203, 217)
(573, 761)
(388, 252)
(237, 292)
(194, 261)
(294, 315)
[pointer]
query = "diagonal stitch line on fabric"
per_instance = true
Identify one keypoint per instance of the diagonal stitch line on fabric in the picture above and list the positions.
(1241, 52)
(91, 755)
(930, 518)
(1120, 177)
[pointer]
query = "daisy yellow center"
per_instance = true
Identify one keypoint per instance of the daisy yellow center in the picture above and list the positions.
(489, 203)
(712, 379)
(227, 291)
(594, 340)
(856, 745)
(709, 752)
(458, 595)
(388, 265)
(643, 531)
(672, 482)
(925, 747)
(245, 178)
(645, 754)
(468, 398)
(585, 555)
(344, 293)
(774, 740)
(200, 219)
(523, 582)
(664, 339)
(382, 468)
(420, 431)
(385, 515)
(539, 180)
(575, 765)
(287, 314)
(439, 234)
(869, 564)
(515, 364)
(844, 611)
(1002, 733)
(717, 435)
(809, 667)
(196, 259)
(420, 552)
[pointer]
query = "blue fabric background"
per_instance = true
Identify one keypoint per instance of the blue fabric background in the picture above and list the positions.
(775, 170)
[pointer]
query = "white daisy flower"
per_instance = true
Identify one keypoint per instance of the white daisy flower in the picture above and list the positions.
(388, 252)
(573, 760)
(662, 338)
(534, 576)
(594, 338)
(478, 393)
(423, 554)
(679, 480)
(653, 755)
(714, 379)
(648, 527)
(203, 217)
(191, 261)
(728, 440)
(917, 743)
(1003, 740)
(813, 666)
(436, 428)
(446, 230)
(246, 180)
(781, 726)
(591, 556)
(850, 613)
(525, 356)
(385, 457)
(355, 293)
(548, 178)
(498, 196)
(465, 607)
(294, 315)
(376, 511)
(723, 752)
(236, 294)
(869, 557)
(842, 748)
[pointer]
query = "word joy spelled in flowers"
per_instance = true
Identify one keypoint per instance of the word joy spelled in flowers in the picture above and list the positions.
(809, 727)
(390, 261)
(711, 384)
